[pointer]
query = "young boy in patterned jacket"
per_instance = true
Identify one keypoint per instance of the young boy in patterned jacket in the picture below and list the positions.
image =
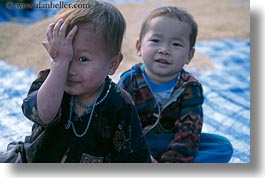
(168, 98)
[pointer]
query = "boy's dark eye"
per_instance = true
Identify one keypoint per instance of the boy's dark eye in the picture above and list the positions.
(177, 44)
(82, 59)
(155, 40)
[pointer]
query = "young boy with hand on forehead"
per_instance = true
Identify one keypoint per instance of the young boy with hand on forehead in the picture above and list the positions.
(168, 98)
(79, 114)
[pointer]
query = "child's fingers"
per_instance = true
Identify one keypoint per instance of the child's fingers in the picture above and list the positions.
(57, 27)
(50, 31)
(46, 45)
(63, 29)
(72, 33)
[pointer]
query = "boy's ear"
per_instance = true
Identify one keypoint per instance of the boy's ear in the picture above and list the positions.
(191, 54)
(138, 48)
(115, 62)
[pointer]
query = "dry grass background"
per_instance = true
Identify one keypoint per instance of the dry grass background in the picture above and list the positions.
(21, 45)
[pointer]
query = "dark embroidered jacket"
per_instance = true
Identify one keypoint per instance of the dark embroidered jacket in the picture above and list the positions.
(182, 114)
(114, 135)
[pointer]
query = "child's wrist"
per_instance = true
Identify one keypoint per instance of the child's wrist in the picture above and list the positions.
(60, 61)
(64, 64)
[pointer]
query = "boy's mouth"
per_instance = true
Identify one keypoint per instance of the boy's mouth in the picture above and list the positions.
(71, 82)
(162, 61)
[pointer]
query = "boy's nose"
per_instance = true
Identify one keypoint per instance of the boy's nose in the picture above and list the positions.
(72, 70)
(165, 51)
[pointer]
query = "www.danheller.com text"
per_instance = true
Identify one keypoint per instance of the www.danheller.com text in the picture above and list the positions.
(42, 5)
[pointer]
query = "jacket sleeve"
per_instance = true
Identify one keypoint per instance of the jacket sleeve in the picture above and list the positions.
(29, 105)
(185, 144)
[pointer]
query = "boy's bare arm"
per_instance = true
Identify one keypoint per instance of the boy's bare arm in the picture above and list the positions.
(60, 48)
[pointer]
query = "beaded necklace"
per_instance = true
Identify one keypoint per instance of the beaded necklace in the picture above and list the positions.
(76, 100)
(89, 108)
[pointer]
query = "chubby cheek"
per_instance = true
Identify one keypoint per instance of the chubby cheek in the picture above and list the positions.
(148, 55)
(148, 50)
(93, 79)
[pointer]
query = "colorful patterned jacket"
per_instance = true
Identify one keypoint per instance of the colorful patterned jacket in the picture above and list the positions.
(182, 114)
(114, 135)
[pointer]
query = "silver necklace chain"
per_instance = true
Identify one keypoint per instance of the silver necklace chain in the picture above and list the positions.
(76, 100)
(72, 106)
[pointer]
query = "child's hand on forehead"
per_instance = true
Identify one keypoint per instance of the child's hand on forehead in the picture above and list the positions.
(60, 45)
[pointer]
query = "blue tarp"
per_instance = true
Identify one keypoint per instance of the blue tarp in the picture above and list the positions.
(227, 93)
(16, 12)
(226, 90)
